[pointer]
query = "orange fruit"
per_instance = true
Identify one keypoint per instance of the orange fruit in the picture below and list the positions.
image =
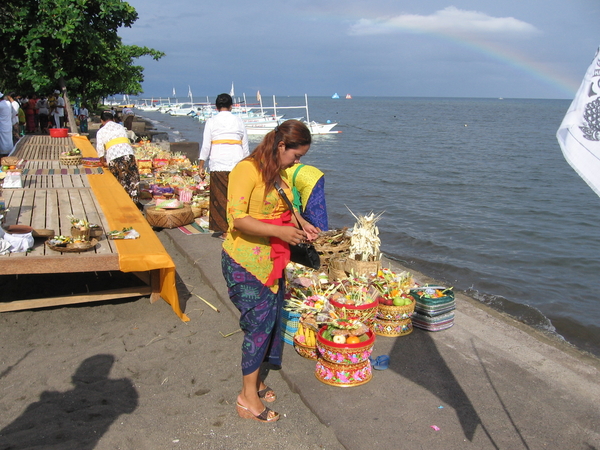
(352, 340)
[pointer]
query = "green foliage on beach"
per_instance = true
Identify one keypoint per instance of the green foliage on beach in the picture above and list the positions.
(74, 43)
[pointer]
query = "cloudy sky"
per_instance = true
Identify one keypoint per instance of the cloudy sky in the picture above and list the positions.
(427, 48)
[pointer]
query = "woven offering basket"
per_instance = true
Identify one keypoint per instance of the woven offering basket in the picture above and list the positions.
(9, 161)
(81, 233)
(197, 212)
(362, 268)
(73, 248)
(387, 312)
(345, 354)
(365, 313)
(169, 218)
(343, 375)
(336, 268)
(70, 160)
(332, 244)
(392, 328)
(305, 351)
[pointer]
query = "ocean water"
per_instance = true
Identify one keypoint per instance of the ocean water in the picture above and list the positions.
(474, 193)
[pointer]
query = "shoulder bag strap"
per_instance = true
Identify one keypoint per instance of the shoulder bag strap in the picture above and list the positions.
(287, 201)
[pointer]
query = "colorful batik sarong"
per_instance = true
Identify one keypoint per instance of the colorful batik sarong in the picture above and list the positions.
(125, 170)
(260, 310)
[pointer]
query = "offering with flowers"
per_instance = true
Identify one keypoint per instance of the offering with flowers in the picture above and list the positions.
(394, 287)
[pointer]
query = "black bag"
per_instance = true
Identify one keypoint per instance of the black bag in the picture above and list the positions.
(304, 253)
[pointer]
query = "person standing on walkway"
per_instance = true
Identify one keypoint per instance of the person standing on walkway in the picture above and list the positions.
(31, 113)
(128, 116)
(43, 112)
(308, 186)
(6, 126)
(114, 147)
(13, 99)
(224, 144)
(58, 114)
(83, 119)
(255, 254)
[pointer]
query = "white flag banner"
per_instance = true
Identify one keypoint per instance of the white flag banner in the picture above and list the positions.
(579, 132)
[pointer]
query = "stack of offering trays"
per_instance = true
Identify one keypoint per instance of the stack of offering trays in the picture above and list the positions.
(289, 325)
(434, 308)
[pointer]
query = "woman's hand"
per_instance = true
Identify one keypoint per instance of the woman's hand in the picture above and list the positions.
(312, 232)
(291, 235)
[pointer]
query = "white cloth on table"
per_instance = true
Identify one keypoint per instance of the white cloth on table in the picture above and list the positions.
(224, 157)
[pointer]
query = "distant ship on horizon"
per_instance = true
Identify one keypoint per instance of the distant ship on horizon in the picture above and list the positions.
(335, 95)
(348, 96)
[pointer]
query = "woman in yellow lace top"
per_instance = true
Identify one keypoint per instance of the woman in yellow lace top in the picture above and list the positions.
(256, 252)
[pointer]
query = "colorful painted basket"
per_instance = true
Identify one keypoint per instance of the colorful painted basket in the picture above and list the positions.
(366, 313)
(345, 353)
(392, 328)
(343, 375)
(391, 312)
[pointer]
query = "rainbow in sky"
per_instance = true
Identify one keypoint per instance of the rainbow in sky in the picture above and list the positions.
(465, 29)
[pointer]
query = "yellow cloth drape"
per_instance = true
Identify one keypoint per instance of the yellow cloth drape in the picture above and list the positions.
(136, 255)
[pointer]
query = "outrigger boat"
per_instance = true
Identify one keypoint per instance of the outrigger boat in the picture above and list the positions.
(314, 127)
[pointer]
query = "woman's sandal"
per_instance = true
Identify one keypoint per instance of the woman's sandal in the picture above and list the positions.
(267, 415)
(267, 394)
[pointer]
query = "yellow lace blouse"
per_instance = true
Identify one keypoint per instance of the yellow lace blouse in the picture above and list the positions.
(246, 197)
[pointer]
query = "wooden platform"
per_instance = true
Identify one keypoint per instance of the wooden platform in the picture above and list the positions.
(46, 200)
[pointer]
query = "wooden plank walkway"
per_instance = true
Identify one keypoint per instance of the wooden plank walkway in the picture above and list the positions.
(45, 201)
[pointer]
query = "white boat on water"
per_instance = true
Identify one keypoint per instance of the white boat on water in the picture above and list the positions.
(314, 127)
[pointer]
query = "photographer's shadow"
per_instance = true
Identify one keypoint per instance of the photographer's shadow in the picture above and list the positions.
(74, 419)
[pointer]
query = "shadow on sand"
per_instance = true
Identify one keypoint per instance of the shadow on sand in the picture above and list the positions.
(75, 419)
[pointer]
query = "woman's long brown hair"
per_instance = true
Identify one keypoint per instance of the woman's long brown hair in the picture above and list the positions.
(293, 133)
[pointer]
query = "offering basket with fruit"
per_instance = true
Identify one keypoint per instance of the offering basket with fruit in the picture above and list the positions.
(71, 157)
(344, 347)
(345, 341)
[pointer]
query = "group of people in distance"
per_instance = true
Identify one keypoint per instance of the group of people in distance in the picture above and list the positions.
(258, 227)
(20, 115)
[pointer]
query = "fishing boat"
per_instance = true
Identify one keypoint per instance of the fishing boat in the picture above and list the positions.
(314, 127)
(348, 96)
(335, 95)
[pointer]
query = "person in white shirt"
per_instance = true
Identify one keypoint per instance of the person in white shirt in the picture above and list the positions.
(114, 147)
(224, 144)
(58, 114)
(6, 126)
(13, 99)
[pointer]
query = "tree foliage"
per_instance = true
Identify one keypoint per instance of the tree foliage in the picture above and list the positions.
(74, 43)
